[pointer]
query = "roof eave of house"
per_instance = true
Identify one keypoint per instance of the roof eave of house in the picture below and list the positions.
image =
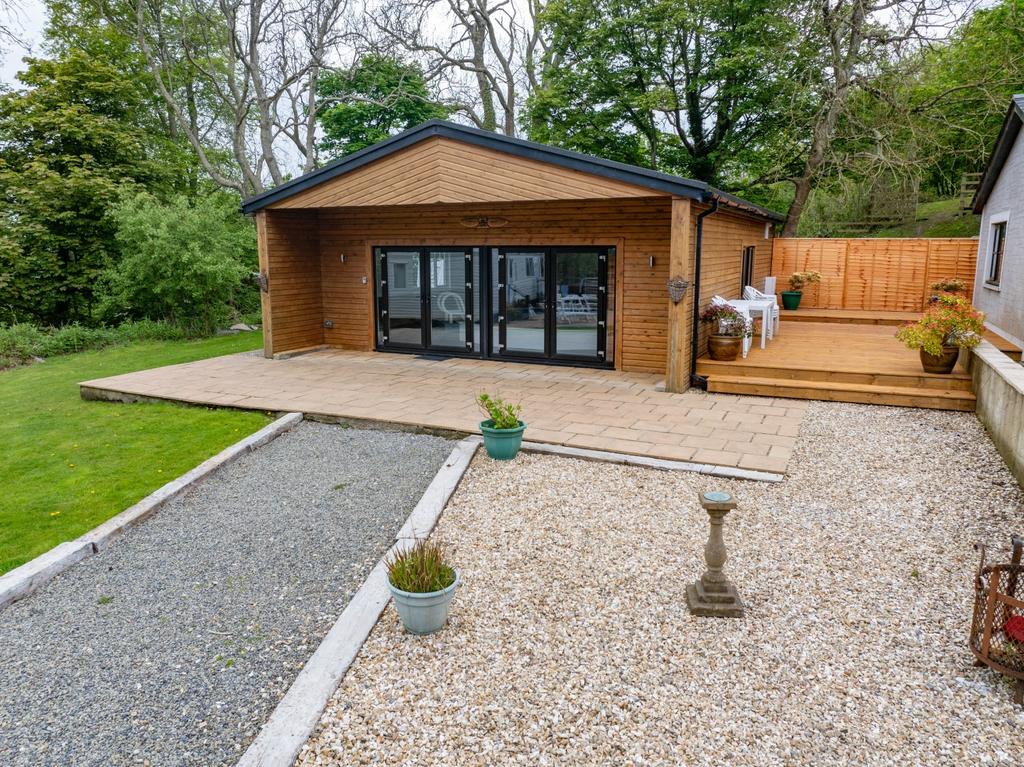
(1004, 144)
(654, 180)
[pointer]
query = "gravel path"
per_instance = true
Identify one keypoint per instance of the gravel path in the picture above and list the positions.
(173, 646)
(570, 642)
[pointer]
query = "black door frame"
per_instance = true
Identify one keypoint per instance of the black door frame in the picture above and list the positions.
(486, 321)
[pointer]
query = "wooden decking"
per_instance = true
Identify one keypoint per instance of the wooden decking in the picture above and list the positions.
(841, 356)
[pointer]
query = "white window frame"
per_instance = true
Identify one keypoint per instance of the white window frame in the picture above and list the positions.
(996, 219)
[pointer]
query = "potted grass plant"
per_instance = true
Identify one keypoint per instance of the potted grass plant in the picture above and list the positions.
(949, 325)
(728, 329)
(503, 431)
(797, 282)
(422, 585)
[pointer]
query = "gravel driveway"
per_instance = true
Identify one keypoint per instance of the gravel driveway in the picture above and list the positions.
(173, 646)
(570, 642)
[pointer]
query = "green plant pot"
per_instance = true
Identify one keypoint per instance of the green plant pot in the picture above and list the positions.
(791, 299)
(424, 613)
(502, 444)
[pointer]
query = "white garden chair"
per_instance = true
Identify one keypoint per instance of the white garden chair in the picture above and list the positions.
(452, 305)
(751, 293)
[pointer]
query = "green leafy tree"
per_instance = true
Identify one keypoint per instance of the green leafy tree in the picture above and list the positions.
(377, 98)
(183, 263)
(71, 140)
(686, 87)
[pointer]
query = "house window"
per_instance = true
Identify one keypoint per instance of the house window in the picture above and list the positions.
(996, 246)
(399, 278)
(747, 268)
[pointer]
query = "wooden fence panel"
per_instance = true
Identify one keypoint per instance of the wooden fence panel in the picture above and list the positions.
(873, 274)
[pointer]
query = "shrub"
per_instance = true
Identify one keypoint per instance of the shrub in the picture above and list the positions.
(23, 342)
(421, 569)
(186, 264)
(797, 280)
(503, 414)
(949, 285)
(950, 321)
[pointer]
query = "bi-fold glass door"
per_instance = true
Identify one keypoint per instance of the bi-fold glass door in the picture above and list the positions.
(425, 298)
(543, 303)
(552, 302)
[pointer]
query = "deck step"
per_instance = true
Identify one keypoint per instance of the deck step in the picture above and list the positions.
(839, 391)
(958, 380)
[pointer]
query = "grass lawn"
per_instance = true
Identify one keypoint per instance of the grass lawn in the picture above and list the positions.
(69, 465)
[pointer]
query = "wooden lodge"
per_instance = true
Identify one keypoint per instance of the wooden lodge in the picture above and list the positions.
(452, 241)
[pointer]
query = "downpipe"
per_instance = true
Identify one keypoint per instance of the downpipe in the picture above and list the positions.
(697, 380)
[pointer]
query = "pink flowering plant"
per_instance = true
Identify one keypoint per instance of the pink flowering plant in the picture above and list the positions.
(727, 321)
(950, 321)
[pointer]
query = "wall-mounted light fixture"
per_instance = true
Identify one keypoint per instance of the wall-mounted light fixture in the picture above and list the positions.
(767, 230)
(650, 261)
(260, 278)
(342, 257)
(484, 222)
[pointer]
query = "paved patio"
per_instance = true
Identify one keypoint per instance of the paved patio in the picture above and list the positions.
(578, 407)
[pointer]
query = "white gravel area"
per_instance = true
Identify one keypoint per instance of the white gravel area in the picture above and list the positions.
(570, 642)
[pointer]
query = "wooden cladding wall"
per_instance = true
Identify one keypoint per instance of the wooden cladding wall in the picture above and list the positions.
(638, 228)
(290, 257)
(725, 236)
(874, 274)
(440, 170)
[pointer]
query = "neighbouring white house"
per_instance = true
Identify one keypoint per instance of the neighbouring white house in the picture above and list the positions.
(999, 278)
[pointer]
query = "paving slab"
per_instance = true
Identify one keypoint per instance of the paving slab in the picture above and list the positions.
(575, 407)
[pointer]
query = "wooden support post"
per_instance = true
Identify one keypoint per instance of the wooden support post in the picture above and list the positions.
(263, 252)
(677, 372)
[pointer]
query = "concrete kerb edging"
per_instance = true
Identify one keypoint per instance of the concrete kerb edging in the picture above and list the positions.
(296, 716)
(22, 581)
(727, 472)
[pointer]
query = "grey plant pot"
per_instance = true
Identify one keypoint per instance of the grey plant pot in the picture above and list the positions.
(424, 613)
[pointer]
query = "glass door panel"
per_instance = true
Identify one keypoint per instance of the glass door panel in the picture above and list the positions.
(579, 303)
(523, 302)
(450, 295)
(399, 297)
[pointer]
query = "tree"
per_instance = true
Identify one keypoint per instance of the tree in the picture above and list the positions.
(239, 78)
(70, 141)
(376, 98)
(185, 263)
(684, 87)
(855, 40)
(480, 54)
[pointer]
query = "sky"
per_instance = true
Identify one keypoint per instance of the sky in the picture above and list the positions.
(30, 19)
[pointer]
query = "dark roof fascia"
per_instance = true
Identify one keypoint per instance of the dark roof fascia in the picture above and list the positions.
(1004, 144)
(630, 174)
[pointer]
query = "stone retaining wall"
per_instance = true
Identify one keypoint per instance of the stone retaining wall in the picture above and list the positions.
(999, 386)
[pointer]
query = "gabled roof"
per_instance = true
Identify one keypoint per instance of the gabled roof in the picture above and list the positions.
(631, 174)
(1007, 136)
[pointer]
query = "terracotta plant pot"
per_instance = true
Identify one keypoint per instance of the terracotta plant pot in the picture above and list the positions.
(724, 348)
(791, 299)
(944, 363)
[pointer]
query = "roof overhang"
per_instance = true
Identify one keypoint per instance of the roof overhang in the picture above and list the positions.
(657, 182)
(1007, 138)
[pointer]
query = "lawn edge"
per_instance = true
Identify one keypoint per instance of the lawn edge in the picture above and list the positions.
(29, 577)
(297, 714)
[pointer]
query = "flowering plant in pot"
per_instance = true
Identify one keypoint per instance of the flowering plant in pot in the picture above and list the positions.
(949, 325)
(503, 431)
(422, 585)
(797, 281)
(728, 329)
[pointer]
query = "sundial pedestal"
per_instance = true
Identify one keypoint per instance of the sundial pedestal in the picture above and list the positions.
(714, 595)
